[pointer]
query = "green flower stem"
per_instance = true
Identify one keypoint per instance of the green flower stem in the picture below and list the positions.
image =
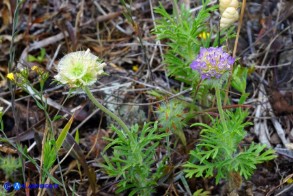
(220, 109)
(95, 101)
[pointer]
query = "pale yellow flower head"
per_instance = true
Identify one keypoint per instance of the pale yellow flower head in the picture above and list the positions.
(79, 69)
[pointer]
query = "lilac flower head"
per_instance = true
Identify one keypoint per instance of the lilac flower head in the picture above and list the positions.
(212, 62)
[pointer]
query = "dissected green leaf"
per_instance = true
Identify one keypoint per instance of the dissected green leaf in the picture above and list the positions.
(218, 151)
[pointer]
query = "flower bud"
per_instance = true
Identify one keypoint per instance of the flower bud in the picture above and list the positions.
(224, 4)
(229, 16)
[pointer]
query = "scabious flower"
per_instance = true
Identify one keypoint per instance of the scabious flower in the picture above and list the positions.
(212, 62)
(79, 69)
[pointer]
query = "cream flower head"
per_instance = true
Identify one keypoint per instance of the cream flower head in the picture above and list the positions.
(79, 69)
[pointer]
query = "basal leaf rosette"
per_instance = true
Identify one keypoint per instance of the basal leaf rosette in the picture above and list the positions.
(79, 69)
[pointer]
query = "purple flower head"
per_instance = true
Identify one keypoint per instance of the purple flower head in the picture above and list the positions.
(212, 62)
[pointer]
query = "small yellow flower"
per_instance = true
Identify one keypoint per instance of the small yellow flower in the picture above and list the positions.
(204, 35)
(35, 68)
(290, 181)
(135, 68)
(10, 76)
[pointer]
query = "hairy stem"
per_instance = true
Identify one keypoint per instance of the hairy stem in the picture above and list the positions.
(220, 109)
(111, 114)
